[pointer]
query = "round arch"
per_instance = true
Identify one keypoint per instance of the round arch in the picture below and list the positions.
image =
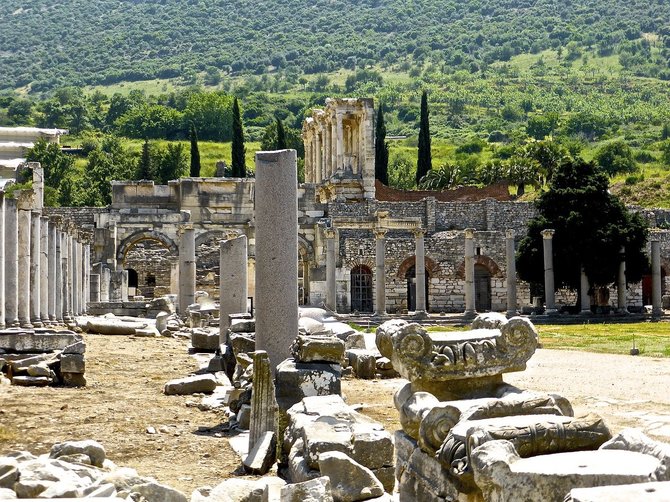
(152, 235)
(483, 261)
(216, 234)
(432, 268)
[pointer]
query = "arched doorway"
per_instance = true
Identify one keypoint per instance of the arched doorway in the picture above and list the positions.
(361, 289)
(410, 277)
(149, 264)
(482, 288)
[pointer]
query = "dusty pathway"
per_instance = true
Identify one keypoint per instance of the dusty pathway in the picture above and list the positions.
(124, 397)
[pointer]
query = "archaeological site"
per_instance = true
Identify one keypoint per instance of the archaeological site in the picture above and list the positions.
(307, 324)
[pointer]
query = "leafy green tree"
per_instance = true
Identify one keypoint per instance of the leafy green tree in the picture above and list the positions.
(20, 111)
(591, 226)
(293, 139)
(424, 162)
(195, 153)
(381, 148)
(172, 163)
(144, 164)
(523, 171)
(55, 163)
(615, 158)
(665, 152)
(444, 177)
(402, 172)
(212, 114)
(541, 126)
(238, 150)
(150, 121)
(281, 135)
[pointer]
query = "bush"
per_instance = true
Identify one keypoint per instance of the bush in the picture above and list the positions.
(615, 158)
(475, 145)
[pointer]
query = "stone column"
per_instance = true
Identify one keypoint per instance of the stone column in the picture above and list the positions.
(233, 281)
(35, 259)
(656, 288)
(380, 272)
(331, 268)
(318, 149)
(186, 268)
(622, 308)
(470, 309)
(333, 149)
(66, 256)
(510, 254)
(51, 269)
(549, 292)
(584, 294)
(11, 263)
(95, 288)
(263, 403)
(420, 272)
(74, 272)
(340, 142)
(2, 259)
(24, 205)
(276, 214)
(87, 277)
(44, 269)
(58, 286)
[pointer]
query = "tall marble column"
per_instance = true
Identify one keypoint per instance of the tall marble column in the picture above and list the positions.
(340, 143)
(74, 273)
(233, 281)
(470, 309)
(186, 268)
(59, 287)
(622, 307)
(86, 266)
(51, 270)
(276, 253)
(35, 260)
(380, 271)
(420, 272)
(656, 287)
(331, 268)
(549, 290)
(11, 263)
(585, 300)
(510, 255)
(66, 257)
(44, 269)
(2, 259)
(319, 153)
(25, 199)
(333, 149)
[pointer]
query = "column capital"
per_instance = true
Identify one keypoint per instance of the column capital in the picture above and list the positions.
(56, 220)
(184, 227)
(330, 233)
(510, 234)
(469, 233)
(25, 199)
(380, 233)
(418, 232)
(548, 233)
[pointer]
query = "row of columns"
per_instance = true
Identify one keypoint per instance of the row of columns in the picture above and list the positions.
(44, 265)
(510, 251)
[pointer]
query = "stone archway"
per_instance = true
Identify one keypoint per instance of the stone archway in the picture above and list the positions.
(149, 258)
(130, 241)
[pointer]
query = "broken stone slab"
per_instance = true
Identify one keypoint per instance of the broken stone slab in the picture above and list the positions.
(32, 341)
(191, 385)
(242, 343)
(73, 379)
(502, 474)
(28, 381)
(72, 363)
(162, 321)
(308, 349)
(153, 490)
(244, 417)
(112, 326)
(39, 370)
(265, 489)
(75, 348)
(308, 326)
(148, 332)
(9, 472)
(640, 492)
(363, 363)
(7, 494)
(315, 490)
(350, 481)
(262, 455)
(203, 339)
(295, 381)
(94, 450)
(241, 323)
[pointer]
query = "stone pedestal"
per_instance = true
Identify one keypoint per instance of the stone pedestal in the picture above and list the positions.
(622, 308)
(11, 263)
(331, 268)
(470, 310)
(186, 268)
(380, 272)
(233, 285)
(656, 306)
(276, 215)
(510, 255)
(549, 289)
(420, 273)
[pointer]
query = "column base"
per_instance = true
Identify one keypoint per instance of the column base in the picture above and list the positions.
(378, 314)
(25, 325)
(420, 314)
(37, 323)
(470, 314)
(585, 312)
(512, 313)
(622, 311)
(657, 312)
(551, 312)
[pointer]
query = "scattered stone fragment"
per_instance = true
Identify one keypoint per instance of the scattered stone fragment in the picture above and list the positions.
(93, 449)
(262, 455)
(156, 492)
(9, 472)
(72, 363)
(315, 490)
(28, 381)
(350, 481)
(191, 385)
(307, 349)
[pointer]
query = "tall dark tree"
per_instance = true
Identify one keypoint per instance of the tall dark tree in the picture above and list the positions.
(238, 165)
(591, 226)
(144, 165)
(424, 163)
(281, 135)
(381, 149)
(195, 153)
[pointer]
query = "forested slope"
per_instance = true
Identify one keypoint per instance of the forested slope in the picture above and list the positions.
(51, 43)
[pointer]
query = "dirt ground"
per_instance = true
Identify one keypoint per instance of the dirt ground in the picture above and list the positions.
(124, 397)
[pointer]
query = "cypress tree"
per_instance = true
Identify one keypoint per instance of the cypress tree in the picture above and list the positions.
(381, 149)
(238, 165)
(195, 153)
(144, 167)
(281, 135)
(424, 162)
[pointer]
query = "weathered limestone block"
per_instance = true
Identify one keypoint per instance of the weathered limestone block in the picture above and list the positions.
(457, 365)
(242, 343)
(308, 349)
(73, 379)
(203, 339)
(295, 381)
(502, 474)
(191, 385)
(155, 491)
(242, 323)
(92, 449)
(263, 403)
(363, 362)
(262, 455)
(265, 489)
(40, 369)
(38, 341)
(7, 494)
(640, 492)
(635, 440)
(72, 363)
(489, 320)
(112, 326)
(28, 381)
(316, 490)
(350, 481)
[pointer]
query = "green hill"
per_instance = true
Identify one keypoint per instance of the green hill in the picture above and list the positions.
(46, 44)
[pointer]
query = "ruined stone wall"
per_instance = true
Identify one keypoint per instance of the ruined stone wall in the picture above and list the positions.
(84, 217)
(153, 264)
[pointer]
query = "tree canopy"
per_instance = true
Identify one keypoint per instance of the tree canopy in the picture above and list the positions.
(591, 227)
